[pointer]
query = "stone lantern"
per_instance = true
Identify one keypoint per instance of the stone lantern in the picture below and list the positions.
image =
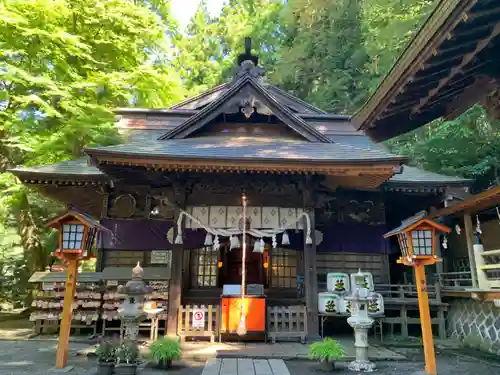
(361, 323)
(132, 311)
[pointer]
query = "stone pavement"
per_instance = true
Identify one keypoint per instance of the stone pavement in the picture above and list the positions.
(245, 366)
(25, 357)
(290, 350)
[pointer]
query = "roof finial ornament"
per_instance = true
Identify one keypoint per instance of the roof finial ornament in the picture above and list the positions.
(248, 45)
(248, 63)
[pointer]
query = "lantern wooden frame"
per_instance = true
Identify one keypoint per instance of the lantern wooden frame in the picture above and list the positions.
(71, 258)
(405, 236)
(404, 233)
(90, 229)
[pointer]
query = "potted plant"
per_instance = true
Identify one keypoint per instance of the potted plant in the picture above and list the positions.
(165, 350)
(127, 355)
(326, 352)
(106, 357)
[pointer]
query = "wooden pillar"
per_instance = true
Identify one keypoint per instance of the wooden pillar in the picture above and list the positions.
(64, 331)
(425, 320)
(403, 312)
(441, 309)
(310, 274)
(175, 290)
(469, 235)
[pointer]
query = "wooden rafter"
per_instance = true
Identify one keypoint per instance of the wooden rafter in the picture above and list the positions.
(466, 59)
(484, 13)
(411, 62)
(346, 169)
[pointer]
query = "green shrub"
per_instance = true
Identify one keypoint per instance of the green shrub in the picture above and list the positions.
(327, 350)
(106, 351)
(127, 352)
(165, 349)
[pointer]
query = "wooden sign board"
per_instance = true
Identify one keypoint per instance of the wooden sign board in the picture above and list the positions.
(160, 257)
(159, 286)
(198, 318)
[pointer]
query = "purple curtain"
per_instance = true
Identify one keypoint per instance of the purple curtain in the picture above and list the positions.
(353, 238)
(142, 235)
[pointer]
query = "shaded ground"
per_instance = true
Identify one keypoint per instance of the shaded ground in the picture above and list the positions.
(447, 365)
(27, 357)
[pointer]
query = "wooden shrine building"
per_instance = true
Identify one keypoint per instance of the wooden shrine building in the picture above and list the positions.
(244, 136)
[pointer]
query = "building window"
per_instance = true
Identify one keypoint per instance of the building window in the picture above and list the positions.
(204, 267)
(284, 268)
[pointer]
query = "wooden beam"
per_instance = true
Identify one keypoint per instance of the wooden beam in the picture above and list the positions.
(469, 236)
(175, 291)
(310, 274)
(476, 203)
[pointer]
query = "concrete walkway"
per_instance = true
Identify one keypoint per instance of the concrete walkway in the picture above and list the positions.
(245, 366)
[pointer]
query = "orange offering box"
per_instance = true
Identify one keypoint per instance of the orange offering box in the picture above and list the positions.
(254, 309)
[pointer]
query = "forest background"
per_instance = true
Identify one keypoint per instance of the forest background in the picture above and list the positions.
(66, 64)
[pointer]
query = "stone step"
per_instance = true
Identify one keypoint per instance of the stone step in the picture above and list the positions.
(245, 366)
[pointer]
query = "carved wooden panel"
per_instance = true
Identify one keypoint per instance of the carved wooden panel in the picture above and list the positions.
(123, 206)
(349, 210)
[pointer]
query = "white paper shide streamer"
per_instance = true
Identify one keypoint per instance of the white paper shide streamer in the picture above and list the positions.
(213, 234)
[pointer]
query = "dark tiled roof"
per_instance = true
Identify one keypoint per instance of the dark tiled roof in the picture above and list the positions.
(416, 175)
(251, 86)
(71, 168)
(246, 148)
(283, 97)
(410, 175)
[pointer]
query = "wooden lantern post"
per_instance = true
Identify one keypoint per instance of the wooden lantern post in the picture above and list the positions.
(417, 237)
(76, 237)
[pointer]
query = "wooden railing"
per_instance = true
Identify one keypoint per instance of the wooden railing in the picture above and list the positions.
(287, 322)
(210, 322)
(454, 281)
(488, 268)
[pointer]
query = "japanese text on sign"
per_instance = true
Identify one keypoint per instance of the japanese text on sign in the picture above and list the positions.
(198, 318)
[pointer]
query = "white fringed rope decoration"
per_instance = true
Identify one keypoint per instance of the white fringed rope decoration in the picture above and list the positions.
(478, 225)
(232, 233)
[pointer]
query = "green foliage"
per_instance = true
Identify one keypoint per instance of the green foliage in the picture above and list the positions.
(468, 146)
(206, 52)
(64, 66)
(165, 349)
(127, 352)
(327, 350)
(106, 351)
(324, 57)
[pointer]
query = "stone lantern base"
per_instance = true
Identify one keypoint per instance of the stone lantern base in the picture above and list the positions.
(361, 327)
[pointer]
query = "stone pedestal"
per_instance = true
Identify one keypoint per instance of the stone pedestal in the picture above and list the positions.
(361, 363)
(361, 323)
